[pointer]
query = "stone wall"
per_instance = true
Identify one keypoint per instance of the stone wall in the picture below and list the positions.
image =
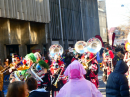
(29, 10)
(21, 33)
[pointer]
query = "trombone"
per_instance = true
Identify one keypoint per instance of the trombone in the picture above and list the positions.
(54, 74)
(55, 84)
(8, 67)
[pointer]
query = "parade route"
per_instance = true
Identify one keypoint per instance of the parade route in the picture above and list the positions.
(102, 86)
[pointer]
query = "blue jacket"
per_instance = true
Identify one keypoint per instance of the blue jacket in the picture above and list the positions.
(117, 83)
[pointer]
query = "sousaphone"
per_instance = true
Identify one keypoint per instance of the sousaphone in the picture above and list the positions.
(94, 45)
(55, 50)
(81, 47)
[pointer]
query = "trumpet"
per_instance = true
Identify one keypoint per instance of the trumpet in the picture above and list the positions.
(55, 84)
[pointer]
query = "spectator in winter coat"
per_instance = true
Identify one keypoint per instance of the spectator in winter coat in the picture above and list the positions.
(117, 83)
(33, 91)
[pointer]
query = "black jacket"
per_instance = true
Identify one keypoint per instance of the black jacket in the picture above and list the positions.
(46, 82)
(37, 93)
(117, 83)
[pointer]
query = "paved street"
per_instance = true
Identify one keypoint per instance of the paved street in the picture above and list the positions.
(102, 86)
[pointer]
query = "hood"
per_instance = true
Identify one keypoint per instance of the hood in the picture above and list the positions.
(121, 67)
(75, 70)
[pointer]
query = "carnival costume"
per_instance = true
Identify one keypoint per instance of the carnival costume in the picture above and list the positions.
(24, 69)
(42, 71)
(58, 79)
(107, 64)
(56, 68)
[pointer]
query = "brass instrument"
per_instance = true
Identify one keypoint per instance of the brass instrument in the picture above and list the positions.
(54, 74)
(35, 74)
(8, 67)
(92, 45)
(57, 71)
(55, 50)
(55, 84)
(86, 64)
(81, 47)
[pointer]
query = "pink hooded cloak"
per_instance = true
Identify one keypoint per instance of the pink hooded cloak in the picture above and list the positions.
(78, 86)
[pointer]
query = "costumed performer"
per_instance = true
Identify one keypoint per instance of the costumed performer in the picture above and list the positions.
(93, 76)
(58, 78)
(42, 68)
(90, 60)
(107, 64)
(24, 71)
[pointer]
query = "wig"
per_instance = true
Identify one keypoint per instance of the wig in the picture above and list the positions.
(31, 57)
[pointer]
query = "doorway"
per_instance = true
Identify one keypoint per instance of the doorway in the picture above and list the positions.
(12, 49)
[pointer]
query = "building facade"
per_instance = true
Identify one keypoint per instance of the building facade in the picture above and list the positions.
(102, 19)
(34, 25)
(72, 20)
(22, 26)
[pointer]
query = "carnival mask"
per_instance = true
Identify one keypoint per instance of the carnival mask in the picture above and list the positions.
(55, 66)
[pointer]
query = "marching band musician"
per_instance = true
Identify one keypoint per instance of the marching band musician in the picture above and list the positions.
(90, 60)
(42, 68)
(92, 69)
(93, 76)
(58, 79)
(107, 64)
(23, 69)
